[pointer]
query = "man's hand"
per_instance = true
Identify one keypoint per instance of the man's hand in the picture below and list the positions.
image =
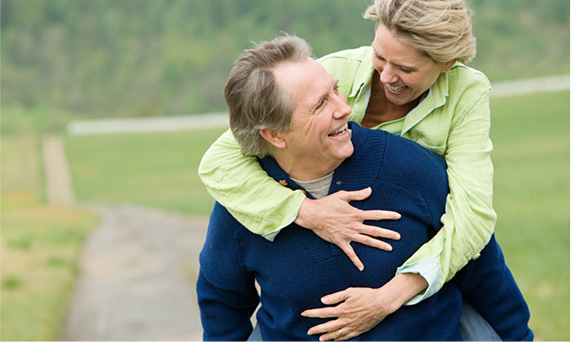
(333, 219)
(361, 308)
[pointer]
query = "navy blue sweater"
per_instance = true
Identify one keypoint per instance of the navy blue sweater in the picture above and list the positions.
(298, 268)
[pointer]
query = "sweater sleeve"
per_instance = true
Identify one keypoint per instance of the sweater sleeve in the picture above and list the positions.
(489, 286)
(469, 219)
(226, 291)
(239, 183)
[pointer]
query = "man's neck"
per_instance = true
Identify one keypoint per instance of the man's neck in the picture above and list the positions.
(304, 171)
(318, 188)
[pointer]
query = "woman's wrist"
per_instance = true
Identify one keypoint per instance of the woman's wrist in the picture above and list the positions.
(400, 289)
(303, 218)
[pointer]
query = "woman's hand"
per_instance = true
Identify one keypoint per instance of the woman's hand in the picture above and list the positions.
(360, 309)
(333, 219)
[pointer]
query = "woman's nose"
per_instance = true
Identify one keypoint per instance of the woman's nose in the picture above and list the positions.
(388, 75)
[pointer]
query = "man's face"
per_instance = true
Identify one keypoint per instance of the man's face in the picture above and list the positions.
(319, 140)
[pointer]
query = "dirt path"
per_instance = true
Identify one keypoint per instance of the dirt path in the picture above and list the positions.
(138, 272)
(58, 184)
(138, 268)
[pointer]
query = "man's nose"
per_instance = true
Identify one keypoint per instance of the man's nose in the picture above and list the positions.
(343, 109)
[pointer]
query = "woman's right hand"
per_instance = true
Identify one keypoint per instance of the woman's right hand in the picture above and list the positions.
(333, 219)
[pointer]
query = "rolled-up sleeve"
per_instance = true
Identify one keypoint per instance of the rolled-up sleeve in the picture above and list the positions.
(469, 219)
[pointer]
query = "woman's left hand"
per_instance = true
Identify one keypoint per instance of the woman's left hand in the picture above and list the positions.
(359, 310)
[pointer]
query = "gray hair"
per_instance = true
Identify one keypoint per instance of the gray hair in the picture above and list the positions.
(440, 29)
(255, 101)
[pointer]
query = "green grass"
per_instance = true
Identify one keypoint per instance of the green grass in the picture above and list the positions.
(159, 169)
(39, 249)
(531, 158)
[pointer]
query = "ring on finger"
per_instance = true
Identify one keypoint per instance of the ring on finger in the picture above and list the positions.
(340, 332)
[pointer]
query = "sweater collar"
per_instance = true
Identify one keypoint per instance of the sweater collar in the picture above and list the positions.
(271, 166)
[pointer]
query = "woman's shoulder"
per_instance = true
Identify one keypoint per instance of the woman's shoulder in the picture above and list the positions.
(463, 76)
(356, 55)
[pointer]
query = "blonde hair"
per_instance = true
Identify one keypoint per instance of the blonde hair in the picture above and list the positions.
(440, 29)
(254, 98)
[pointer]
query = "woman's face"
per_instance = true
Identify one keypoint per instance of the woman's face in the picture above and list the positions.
(405, 73)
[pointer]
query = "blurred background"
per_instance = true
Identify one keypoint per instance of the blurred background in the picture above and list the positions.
(75, 62)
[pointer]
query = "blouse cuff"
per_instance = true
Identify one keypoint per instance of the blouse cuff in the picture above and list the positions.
(429, 270)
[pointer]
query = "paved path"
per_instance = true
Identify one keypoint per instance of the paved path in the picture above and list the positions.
(137, 278)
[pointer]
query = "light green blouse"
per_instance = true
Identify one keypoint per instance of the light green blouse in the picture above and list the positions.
(453, 121)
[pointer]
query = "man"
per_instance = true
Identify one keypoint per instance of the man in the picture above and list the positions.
(285, 108)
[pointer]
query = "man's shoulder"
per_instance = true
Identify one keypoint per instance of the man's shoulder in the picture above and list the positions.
(222, 223)
(398, 156)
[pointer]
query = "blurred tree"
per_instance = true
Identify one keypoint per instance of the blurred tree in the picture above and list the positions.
(145, 57)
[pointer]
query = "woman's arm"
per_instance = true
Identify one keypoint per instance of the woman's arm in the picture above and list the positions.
(239, 183)
(265, 207)
(468, 224)
(469, 219)
(359, 309)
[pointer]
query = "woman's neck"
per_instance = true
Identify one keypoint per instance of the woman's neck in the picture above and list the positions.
(380, 110)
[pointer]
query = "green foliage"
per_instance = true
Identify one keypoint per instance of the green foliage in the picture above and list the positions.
(521, 38)
(146, 57)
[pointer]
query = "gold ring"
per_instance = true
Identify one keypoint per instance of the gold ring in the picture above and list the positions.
(340, 332)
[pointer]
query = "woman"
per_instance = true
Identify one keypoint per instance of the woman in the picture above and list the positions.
(411, 82)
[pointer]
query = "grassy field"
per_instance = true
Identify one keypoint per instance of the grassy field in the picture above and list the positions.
(531, 157)
(158, 169)
(40, 247)
(531, 182)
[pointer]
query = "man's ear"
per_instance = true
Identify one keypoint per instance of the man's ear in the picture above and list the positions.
(273, 137)
(448, 66)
